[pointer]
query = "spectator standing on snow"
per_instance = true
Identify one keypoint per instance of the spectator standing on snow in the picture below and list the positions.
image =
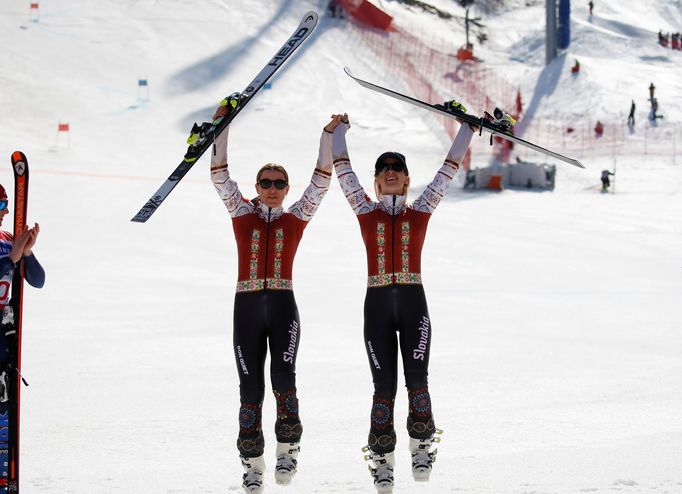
(663, 39)
(335, 9)
(591, 5)
(654, 109)
(605, 182)
(576, 68)
(599, 129)
(631, 116)
(652, 89)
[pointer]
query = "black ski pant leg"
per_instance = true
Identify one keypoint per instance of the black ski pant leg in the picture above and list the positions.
(381, 344)
(284, 336)
(250, 350)
(415, 346)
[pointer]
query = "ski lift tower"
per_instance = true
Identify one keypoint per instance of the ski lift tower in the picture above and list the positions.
(466, 52)
(558, 28)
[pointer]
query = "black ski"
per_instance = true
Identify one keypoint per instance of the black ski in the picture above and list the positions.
(201, 137)
(11, 327)
(481, 122)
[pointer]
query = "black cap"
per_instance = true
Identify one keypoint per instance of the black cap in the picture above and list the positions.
(389, 154)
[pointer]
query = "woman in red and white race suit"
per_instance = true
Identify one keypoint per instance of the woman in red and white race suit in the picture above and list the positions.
(265, 310)
(396, 315)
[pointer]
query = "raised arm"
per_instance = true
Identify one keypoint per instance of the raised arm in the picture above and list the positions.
(435, 191)
(220, 176)
(22, 250)
(355, 194)
(306, 206)
(34, 272)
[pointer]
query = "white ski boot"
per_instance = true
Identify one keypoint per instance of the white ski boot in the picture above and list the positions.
(253, 477)
(423, 457)
(381, 468)
(286, 462)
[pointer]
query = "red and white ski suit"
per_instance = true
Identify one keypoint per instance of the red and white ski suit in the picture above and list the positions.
(265, 310)
(396, 314)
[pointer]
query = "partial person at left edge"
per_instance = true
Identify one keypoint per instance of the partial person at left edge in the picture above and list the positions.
(12, 252)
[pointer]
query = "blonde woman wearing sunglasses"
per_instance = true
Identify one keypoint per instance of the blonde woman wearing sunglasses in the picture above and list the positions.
(396, 317)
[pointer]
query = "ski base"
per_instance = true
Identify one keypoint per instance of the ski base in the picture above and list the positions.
(482, 123)
(10, 401)
(207, 131)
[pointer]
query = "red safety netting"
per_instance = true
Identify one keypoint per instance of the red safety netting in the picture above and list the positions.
(417, 58)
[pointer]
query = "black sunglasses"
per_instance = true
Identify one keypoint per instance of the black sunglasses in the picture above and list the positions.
(266, 183)
(396, 167)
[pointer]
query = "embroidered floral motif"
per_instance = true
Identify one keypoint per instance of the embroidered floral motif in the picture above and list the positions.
(381, 248)
(379, 280)
(253, 261)
(249, 418)
(420, 402)
(273, 283)
(382, 413)
(420, 422)
(287, 404)
(419, 429)
(280, 284)
(279, 247)
(288, 426)
(408, 278)
(385, 279)
(383, 442)
(251, 447)
(405, 247)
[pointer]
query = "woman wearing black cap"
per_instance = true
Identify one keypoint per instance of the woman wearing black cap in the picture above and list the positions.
(396, 314)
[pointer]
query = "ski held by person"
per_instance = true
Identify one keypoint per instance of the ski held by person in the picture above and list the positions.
(396, 317)
(265, 310)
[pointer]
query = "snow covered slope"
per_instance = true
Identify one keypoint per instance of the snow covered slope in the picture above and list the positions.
(556, 354)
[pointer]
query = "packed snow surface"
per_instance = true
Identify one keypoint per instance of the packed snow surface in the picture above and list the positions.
(556, 354)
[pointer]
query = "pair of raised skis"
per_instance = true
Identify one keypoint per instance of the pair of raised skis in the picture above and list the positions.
(10, 368)
(202, 136)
